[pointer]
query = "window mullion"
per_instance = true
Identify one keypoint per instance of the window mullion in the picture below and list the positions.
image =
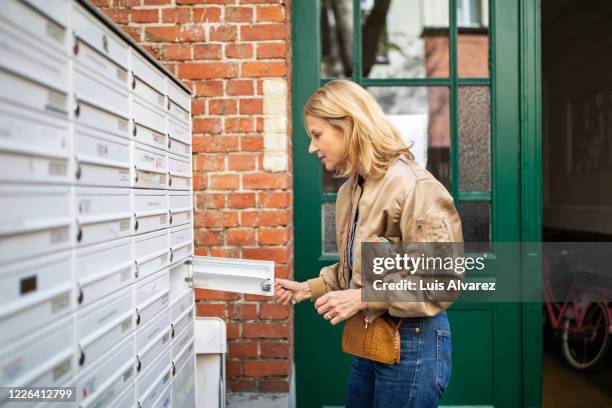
(357, 74)
(454, 109)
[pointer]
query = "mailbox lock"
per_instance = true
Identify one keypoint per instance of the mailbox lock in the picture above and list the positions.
(171, 255)
(133, 80)
(135, 223)
(82, 358)
(135, 174)
(173, 369)
(136, 273)
(266, 286)
(168, 104)
(134, 128)
(77, 173)
(172, 330)
(137, 317)
(105, 43)
(170, 216)
(79, 236)
(139, 365)
(75, 48)
(80, 297)
(77, 109)
(169, 141)
(169, 180)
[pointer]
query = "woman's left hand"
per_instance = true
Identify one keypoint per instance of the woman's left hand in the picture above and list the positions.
(339, 305)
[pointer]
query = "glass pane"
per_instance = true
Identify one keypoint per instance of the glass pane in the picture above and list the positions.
(330, 183)
(474, 138)
(336, 38)
(473, 38)
(475, 220)
(404, 38)
(328, 212)
(421, 115)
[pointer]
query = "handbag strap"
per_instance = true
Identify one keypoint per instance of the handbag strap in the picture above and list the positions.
(398, 324)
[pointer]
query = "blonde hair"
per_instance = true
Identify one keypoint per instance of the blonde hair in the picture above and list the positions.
(372, 142)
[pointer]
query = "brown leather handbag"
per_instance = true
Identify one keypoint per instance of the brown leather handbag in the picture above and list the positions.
(378, 340)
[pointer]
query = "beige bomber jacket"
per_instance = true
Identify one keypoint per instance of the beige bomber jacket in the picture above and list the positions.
(407, 204)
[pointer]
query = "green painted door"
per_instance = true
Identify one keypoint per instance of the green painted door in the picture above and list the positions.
(451, 75)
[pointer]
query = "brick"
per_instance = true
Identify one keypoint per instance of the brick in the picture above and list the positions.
(242, 386)
(260, 86)
(211, 309)
(209, 200)
(263, 69)
(208, 163)
(242, 350)
(224, 181)
(274, 350)
(266, 254)
(242, 163)
(260, 1)
(274, 200)
(214, 144)
(273, 312)
(207, 52)
(251, 106)
(205, 1)
(206, 125)
(242, 311)
(276, 14)
(225, 252)
(281, 271)
(207, 15)
(207, 70)
(145, 16)
(223, 33)
(239, 125)
(273, 236)
(208, 237)
(198, 107)
(174, 52)
(222, 106)
(176, 15)
(200, 182)
(233, 331)
(101, 3)
(263, 32)
(265, 330)
(240, 87)
(192, 32)
(133, 32)
(241, 200)
(266, 368)
(216, 219)
(208, 88)
(251, 143)
(271, 50)
(274, 386)
(233, 368)
(264, 218)
(266, 181)
(208, 294)
(162, 34)
(152, 2)
(260, 125)
(238, 14)
(241, 236)
(239, 51)
(119, 16)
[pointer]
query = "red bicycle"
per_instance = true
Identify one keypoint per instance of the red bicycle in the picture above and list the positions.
(583, 318)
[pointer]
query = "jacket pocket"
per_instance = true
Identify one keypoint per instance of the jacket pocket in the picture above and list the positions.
(443, 359)
(433, 228)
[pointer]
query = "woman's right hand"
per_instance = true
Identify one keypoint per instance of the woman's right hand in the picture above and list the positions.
(286, 290)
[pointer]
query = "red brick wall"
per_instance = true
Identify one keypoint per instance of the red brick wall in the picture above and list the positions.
(223, 50)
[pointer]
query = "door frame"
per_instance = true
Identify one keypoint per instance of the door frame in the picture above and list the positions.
(515, 39)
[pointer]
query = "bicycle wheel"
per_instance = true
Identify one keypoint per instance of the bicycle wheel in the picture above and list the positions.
(586, 349)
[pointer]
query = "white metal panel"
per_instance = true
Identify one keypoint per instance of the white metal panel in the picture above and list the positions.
(121, 383)
(148, 116)
(101, 325)
(87, 28)
(44, 357)
(181, 240)
(151, 210)
(58, 10)
(178, 286)
(38, 49)
(183, 386)
(181, 115)
(179, 169)
(232, 275)
(34, 293)
(179, 96)
(102, 269)
(179, 132)
(151, 252)
(100, 82)
(115, 369)
(99, 119)
(150, 167)
(101, 159)
(102, 214)
(151, 297)
(183, 348)
(149, 137)
(180, 207)
(126, 399)
(152, 339)
(164, 399)
(179, 148)
(33, 96)
(148, 74)
(181, 312)
(33, 228)
(155, 378)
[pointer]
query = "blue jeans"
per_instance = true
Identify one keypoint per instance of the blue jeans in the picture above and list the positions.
(421, 377)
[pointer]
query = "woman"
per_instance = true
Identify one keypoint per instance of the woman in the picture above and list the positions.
(387, 197)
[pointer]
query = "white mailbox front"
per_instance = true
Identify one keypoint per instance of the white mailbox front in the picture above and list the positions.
(97, 265)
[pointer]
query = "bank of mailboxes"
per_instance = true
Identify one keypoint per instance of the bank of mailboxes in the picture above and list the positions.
(96, 227)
